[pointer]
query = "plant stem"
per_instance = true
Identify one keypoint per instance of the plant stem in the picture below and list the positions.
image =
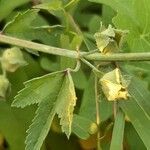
(115, 109)
(77, 67)
(73, 54)
(92, 66)
(38, 47)
(97, 113)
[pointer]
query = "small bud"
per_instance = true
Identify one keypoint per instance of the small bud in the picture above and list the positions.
(4, 86)
(12, 59)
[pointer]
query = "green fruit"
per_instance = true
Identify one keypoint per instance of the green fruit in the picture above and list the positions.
(12, 59)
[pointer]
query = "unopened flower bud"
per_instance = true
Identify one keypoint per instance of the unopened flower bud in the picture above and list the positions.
(109, 40)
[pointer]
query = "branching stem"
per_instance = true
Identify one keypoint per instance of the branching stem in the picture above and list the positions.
(145, 56)
(92, 66)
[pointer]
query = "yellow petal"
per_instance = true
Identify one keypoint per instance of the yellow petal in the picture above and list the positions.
(112, 86)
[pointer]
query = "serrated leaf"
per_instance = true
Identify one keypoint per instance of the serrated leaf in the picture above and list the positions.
(39, 129)
(129, 17)
(54, 93)
(118, 131)
(35, 89)
(66, 99)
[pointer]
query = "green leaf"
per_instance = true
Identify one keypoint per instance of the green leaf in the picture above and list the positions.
(66, 62)
(36, 89)
(72, 45)
(50, 6)
(14, 122)
(129, 17)
(140, 94)
(137, 108)
(87, 112)
(88, 106)
(94, 24)
(107, 15)
(81, 126)
(28, 22)
(39, 129)
(132, 138)
(7, 6)
(11, 127)
(65, 104)
(21, 23)
(140, 70)
(138, 118)
(49, 63)
(105, 107)
(54, 93)
(80, 84)
(118, 131)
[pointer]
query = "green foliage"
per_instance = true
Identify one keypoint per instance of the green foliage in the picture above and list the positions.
(129, 17)
(53, 93)
(81, 126)
(138, 105)
(118, 131)
(6, 6)
(75, 25)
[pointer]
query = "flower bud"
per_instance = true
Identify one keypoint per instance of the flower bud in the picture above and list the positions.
(109, 40)
(12, 59)
(4, 86)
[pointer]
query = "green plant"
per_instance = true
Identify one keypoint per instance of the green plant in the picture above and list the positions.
(94, 77)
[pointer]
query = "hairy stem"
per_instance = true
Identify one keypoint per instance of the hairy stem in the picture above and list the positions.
(73, 54)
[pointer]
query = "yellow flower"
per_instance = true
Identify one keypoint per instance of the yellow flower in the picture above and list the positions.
(113, 86)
